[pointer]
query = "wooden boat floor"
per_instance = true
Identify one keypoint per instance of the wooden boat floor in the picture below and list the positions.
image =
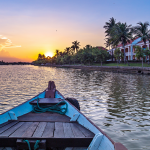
(55, 128)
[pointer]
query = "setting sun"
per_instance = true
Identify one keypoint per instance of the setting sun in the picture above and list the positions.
(50, 54)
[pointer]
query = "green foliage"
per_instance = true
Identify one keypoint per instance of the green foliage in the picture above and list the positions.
(100, 55)
(139, 52)
(118, 54)
(87, 55)
(141, 30)
(117, 33)
(146, 52)
(109, 25)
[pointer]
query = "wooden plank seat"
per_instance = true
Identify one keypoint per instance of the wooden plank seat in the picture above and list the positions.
(67, 134)
(47, 116)
(46, 101)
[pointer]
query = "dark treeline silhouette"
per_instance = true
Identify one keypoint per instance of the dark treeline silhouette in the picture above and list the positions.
(75, 55)
(14, 63)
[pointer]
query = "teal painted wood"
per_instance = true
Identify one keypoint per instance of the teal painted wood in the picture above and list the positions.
(106, 144)
(84, 122)
(96, 142)
(81, 119)
(26, 107)
(20, 110)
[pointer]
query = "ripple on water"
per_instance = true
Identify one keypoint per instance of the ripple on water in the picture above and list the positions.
(118, 103)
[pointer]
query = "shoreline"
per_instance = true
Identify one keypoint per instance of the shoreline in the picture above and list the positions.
(115, 69)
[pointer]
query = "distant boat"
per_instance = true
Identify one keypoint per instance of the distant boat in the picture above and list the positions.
(50, 121)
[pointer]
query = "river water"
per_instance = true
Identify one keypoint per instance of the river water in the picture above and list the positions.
(117, 103)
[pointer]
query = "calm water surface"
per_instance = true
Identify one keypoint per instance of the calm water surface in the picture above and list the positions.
(118, 103)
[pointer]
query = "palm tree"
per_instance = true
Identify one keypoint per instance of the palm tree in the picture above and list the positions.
(75, 45)
(57, 52)
(72, 49)
(40, 56)
(88, 47)
(123, 33)
(114, 43)
(43, 56)
(67, 50)
(109, 25)
(141, 30)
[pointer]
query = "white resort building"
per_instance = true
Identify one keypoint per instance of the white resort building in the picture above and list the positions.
(129, 49)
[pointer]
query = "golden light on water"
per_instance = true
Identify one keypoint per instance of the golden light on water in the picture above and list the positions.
(50, 54)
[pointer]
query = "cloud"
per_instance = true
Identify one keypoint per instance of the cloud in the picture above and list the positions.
(6, 43)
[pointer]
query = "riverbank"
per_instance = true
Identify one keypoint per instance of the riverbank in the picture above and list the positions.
(14, 63)
(115, 69)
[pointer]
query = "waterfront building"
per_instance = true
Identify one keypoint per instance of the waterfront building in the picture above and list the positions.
(129, 48)
(100, 47)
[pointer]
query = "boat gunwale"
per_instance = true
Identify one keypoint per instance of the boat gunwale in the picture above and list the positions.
(71, 105)
(22, 103)
(89, 120)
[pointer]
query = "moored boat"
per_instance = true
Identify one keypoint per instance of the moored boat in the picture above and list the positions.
(50, 121)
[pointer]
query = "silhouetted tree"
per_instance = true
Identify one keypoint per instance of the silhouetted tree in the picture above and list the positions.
(75, 46)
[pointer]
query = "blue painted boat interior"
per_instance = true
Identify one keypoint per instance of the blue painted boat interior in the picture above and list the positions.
(103, 144)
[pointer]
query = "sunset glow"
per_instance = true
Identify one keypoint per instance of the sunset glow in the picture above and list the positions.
(50, 54)
(32, 27)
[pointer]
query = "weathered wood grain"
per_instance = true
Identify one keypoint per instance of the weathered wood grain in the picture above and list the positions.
(39, 130)
(7, 126)
(85, 131)
(76, 131)
(29, 132)
(46, 101)
(3, 124)
(19, 132)
(59, 130)
(68, 130)
(49, 130)
(12, 129)
(44, 117)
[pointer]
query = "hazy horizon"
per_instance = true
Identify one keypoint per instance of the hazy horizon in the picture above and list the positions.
(32, 27)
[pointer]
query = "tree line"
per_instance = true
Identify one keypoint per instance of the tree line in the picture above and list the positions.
(116, 33)
(121, 33)
(76, 55)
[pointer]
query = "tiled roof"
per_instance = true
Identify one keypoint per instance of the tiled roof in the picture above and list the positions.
(120, 45)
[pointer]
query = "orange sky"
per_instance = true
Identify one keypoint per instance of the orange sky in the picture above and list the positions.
(41, 38)
(28, 28)
(25, 35)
